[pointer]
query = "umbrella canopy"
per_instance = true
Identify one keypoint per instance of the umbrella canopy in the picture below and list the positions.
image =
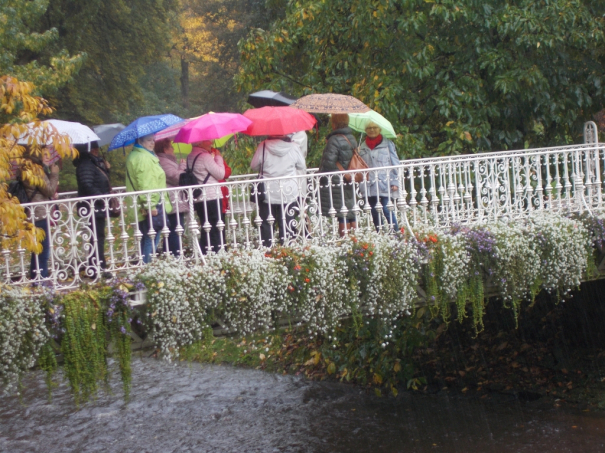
(278, 121)
(330, 103)
(268, 98)
(107, 132)
(212, 126)
(358, 121)
(77, 132)
(143, 126)
(170, 132)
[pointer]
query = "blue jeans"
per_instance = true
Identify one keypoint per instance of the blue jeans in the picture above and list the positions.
(391, 218)
(146, 243)
(173, 238)
(41, 267)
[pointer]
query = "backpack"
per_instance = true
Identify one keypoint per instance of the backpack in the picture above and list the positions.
(187, 178)
(17, 190)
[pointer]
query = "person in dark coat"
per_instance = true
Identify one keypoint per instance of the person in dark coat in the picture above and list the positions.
(92, 174)
(338, 150)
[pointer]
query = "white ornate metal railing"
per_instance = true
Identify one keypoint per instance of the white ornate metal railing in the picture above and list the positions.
(441, 191)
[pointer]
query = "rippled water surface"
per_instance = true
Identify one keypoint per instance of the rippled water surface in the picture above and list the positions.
(223, 409)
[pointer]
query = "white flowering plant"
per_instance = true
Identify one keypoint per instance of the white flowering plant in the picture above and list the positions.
(180, 302)
(23, 333)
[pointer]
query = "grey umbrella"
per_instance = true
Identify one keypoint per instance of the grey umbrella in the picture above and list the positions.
(268, 98)
(107, 132)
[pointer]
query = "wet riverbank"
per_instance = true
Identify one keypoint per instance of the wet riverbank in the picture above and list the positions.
(223, 409)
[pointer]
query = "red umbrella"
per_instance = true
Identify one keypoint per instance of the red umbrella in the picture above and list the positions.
(278, 121)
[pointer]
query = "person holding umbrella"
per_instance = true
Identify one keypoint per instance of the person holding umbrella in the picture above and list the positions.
(278, 157)
(37, 193)
(173, 169)
(144, 172)
(208, 167)
(92, 176)
(378, 151)
(337, 155)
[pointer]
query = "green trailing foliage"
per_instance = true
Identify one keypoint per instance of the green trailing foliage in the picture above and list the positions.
(84, 344)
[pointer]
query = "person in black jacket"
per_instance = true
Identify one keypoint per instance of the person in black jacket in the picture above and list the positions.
(92, 174)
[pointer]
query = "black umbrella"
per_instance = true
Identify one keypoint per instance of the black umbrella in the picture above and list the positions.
(268, 98)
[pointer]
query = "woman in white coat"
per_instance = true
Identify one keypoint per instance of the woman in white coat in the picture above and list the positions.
(278, 157)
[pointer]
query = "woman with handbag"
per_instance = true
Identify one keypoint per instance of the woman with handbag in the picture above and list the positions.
(92, 176)
(277, 157)
(337, 156)
(378, 151)
(208, 167)
(143, 172)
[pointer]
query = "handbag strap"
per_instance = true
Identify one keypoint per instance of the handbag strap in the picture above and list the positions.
(131, 183)
(262, 162)
(338, 164)
(107, 177)
(193, 166)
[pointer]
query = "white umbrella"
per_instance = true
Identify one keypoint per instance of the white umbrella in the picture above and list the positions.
(77, 132)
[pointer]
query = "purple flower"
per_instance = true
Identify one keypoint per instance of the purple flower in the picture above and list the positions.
(123, 330)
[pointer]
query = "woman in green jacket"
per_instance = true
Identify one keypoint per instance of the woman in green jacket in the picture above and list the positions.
(143, 172)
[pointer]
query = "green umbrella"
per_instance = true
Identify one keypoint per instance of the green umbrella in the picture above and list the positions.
(184, 149)
(358, 121)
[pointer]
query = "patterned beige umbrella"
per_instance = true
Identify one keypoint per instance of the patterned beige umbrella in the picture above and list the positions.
(330, 103)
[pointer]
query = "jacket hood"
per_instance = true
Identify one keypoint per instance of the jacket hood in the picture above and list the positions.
(278, 147)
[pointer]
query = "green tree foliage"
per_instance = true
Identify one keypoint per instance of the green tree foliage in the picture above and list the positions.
(22, 41)
(454, 76)
(123, 40)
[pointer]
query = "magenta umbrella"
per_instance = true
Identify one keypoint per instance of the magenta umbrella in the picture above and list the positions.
(212, 126)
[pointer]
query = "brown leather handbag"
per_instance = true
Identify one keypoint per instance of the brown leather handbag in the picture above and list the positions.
(357, 163)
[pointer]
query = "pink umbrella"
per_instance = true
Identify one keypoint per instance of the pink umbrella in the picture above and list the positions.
(278, 121)
(172, 130)
(212, 126)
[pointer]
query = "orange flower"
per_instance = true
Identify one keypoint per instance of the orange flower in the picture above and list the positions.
(433, 238)
(290, 288)
(297, 267)
(402, 230)
(371, 253)
(306, 270)
(364, 246)
(307, 280)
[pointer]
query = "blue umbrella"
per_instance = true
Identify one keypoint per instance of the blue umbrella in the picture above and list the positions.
(143, 126)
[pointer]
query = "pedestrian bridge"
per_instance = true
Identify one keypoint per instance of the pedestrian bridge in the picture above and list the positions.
(441, 192)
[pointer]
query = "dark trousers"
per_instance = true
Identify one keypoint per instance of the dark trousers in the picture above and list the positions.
(174, 245)
(100, 223)
(391, 218)
(280, 213)
(41, 266)
(210, 210)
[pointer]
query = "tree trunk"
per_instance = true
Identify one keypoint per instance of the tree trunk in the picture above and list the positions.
(185, 82)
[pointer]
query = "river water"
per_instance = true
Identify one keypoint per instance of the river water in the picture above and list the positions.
(193, 408)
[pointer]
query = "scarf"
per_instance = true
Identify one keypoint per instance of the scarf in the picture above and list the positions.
(136, 145)
(373, 142)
